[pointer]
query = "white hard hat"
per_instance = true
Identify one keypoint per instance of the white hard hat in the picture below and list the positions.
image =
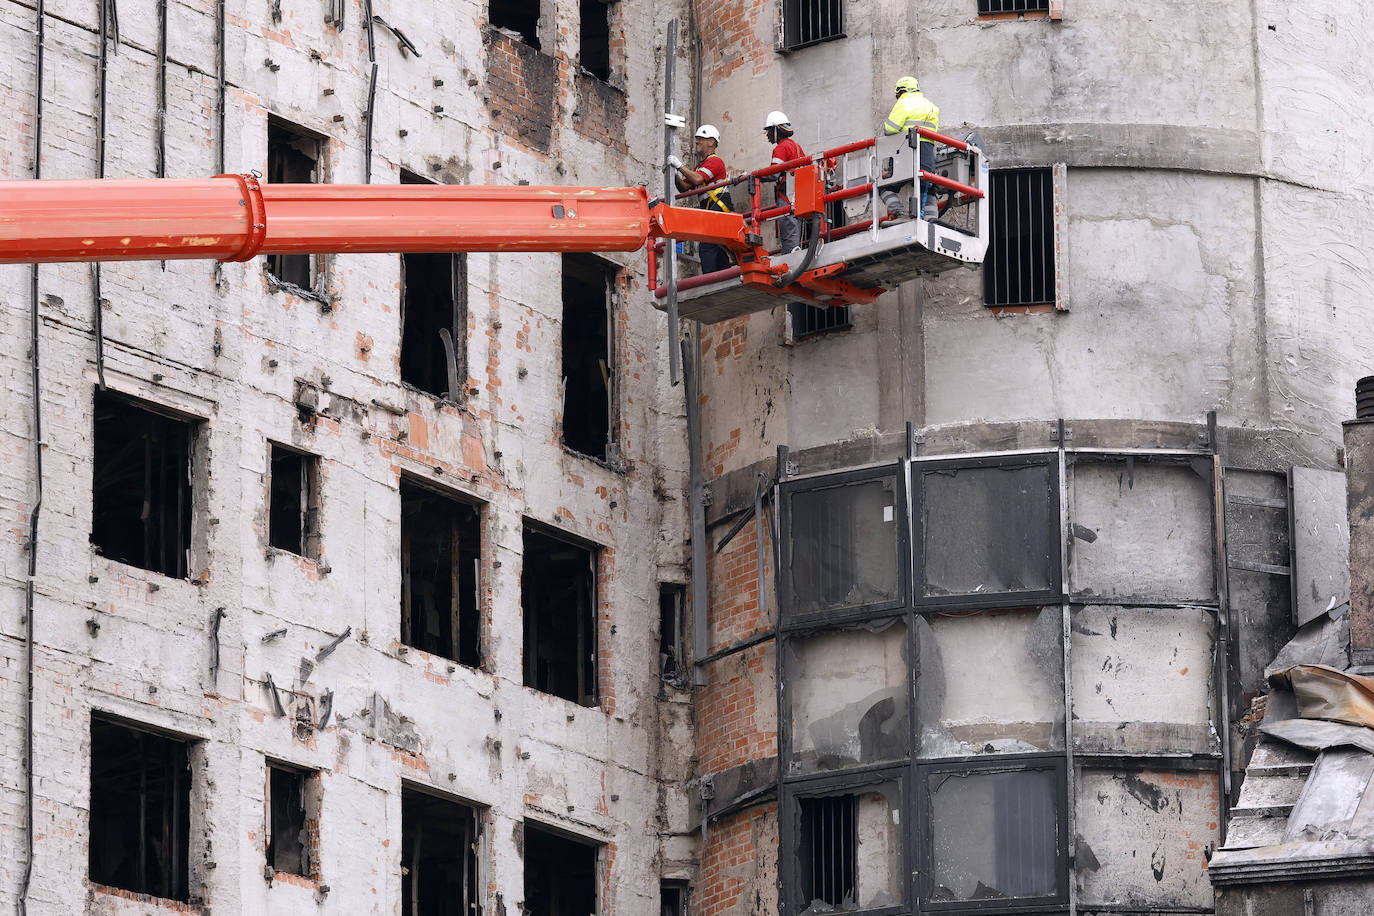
(709, 132)
(777, 119)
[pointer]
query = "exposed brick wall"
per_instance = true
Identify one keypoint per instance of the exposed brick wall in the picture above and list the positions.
(522, 86)
(737, 710)
(601, 111)
(736, 35)
(734, 587)
(739, 865)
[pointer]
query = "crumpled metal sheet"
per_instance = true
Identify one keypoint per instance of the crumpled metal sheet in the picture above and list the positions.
(1324, 640)
(1324, 692)
(1316, 735)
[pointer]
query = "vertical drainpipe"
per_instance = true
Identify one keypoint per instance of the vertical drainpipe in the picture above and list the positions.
(701, 632)
(1066, 614)
(21, 905)
(1225, 625)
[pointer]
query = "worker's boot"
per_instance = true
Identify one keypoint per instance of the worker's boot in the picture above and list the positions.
(930, 207)
(894, 205)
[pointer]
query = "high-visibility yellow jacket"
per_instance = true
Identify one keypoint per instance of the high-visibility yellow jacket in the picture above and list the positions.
(912, 110)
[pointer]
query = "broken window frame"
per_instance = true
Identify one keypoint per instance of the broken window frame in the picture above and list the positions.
(309, 545)
(455, 348)
(791, 619)
(608, 11)
(310, 812)
(472, 858)
(793, 34)
(612, 274)
(176, 563)
(672, 637)
(827, 785)
(1053, 539)
(597, 847)
(1053, 762)
(274, 264)
(455, 501)
(588, 667)
(683, 890)
(177, 819)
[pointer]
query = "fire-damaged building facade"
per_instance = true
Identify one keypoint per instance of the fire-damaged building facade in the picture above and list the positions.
(418, 584)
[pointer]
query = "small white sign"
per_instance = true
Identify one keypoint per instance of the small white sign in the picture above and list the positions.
(887, 513)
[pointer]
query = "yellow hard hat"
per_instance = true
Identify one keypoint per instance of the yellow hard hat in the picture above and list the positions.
(907, 84)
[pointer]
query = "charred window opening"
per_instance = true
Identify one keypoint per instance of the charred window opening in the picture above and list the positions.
(560, 874)
(434, 319)
(808, 319)
(439, 847)
(588, 369)
(595, 38)
(671, 641)
(846, 849)
(987, 528)
(558, 600)
(294, 157)
(672, 896)
(294, 501)
(806, 22)
(441, 558)
(1019, 267)
(520, 16)
(141, 499)
(140, 810)
(293, 820)
(994, 835)
(844, 545)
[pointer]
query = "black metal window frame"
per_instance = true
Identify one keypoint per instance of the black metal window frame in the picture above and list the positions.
(828, 785)
(991, 763)
(993, 7)
(809, 22)
(979, 600)
(810, 320)
(1009, 279)
(790, 620)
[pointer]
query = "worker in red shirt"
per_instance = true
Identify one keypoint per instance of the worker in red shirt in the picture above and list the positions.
(710, 168)
(779, 131)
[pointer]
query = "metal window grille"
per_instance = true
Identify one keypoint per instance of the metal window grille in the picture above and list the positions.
(1013, 6)
(806, 22)
(828, 848)
(810, 319)
(1019, 267)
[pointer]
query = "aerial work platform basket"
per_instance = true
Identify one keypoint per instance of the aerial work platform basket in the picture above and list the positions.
(848, 257)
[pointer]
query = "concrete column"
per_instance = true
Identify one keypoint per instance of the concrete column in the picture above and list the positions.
(1359, 465)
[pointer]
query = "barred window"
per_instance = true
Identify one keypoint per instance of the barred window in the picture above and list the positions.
(806, 22)
(808, 319)
(1019, 267)
(1013, 6)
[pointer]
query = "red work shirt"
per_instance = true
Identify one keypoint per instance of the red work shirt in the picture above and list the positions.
(786, 151)
(712, 168)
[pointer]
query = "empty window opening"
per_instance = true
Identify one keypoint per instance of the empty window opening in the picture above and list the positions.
(1019, 267)
(588, 376)
(140, 810)
(808, 319)
(520, 16)
(806, 22)
(141, 499)
(558, 600)
(293, 157)
(434, 332)
(595, 38)
(439, 846)
(671, 651)
(293, 820)
(560, 874)
(672, 897)
(441, 560)
(294, 501)
(986, 7)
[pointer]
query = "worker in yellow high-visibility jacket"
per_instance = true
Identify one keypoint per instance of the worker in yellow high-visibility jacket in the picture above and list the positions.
(913, 109)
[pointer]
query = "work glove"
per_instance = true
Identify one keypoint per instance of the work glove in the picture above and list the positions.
(675, 162)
